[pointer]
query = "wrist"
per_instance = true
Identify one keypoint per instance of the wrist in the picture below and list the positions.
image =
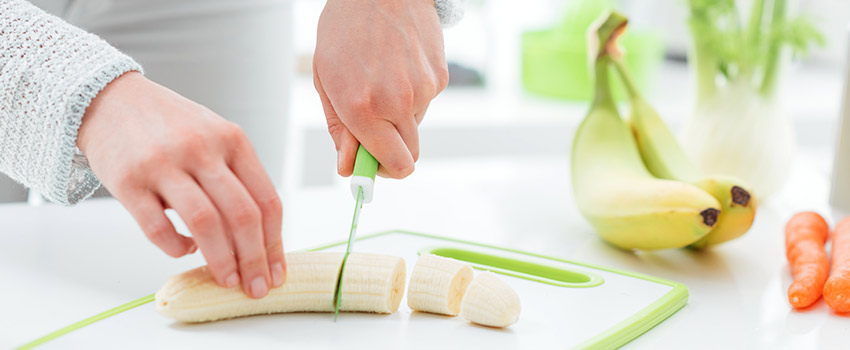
(102, 106)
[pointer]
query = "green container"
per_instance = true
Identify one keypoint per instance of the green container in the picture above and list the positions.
(554, 61)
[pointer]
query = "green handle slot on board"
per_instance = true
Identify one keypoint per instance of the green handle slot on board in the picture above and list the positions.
(552, 275)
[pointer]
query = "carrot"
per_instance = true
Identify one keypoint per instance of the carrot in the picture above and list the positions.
(837, 289)
(805, 236)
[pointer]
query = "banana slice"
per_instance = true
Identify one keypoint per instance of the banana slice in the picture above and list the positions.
(489, 301)
(371, 283)
(437, 285)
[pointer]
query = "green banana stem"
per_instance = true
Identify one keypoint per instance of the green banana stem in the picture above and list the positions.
(627, 80)
(602, 96)
(603, 34)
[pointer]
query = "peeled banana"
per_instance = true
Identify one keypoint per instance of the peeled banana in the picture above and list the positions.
(626, 205)
(438, 284)
(371, 283)
(489, 301)
(665, 159)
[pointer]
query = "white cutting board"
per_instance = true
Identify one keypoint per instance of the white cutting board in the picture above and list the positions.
(608, 315)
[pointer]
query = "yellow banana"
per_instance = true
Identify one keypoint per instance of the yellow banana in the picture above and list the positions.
(737, 213)
(665, 159)
(626, 205)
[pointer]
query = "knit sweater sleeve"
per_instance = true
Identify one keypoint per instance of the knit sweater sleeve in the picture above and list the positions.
(449, 11)
(49, 73)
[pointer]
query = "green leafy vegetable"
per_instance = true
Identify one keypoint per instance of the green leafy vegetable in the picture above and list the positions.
(724, 48)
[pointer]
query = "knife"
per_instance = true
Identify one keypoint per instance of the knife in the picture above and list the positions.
(362, 184)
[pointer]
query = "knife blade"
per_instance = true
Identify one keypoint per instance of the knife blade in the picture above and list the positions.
(362, 185)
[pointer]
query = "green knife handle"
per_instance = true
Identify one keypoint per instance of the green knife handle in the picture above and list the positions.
(365, 168)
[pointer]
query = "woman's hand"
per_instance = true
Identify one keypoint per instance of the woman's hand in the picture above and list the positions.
(154, 149)
(377, 66)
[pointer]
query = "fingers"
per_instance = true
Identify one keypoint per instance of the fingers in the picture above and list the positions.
(244, 223)
(247, 168)
(388, 128)
(384, 142)
(186, 197)
(346, 146)
(344, 141)
(149, 214)
(408, 129)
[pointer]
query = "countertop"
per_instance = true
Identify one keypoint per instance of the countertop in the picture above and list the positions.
(60, 265)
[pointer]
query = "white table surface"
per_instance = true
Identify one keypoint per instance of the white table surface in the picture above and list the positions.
(59, 265)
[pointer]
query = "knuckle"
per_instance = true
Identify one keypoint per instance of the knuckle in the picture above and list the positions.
(202, 219)
(335, 128)
(232, 132)
(405, 95)
(273, 206)
(364, 104)
(275, 249)
(430, 88)
(442, 74)
(220, 265)
(192, 142)
(246, 216)
(402, 171)
(128, 176)
(252, 262)
(156, 232)
(152, 157)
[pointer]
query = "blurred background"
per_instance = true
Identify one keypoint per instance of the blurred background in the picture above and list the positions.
(498, 103)
(519, 87)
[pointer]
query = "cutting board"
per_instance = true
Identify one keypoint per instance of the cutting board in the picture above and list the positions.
(565, 304)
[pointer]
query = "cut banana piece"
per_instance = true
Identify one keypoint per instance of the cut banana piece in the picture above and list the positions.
(489, 301)
(437, 285)
(371, 283)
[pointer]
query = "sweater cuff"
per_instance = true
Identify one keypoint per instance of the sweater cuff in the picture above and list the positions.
(449, 11)
(76, 181)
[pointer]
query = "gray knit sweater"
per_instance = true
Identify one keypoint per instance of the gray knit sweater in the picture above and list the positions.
(49, 73)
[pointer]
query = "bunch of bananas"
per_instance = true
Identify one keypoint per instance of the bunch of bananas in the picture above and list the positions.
(633, 181)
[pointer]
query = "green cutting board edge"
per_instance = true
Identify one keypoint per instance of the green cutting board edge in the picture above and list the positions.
(612, 338)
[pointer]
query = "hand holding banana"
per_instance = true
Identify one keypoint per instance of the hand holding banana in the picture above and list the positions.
(632, 180)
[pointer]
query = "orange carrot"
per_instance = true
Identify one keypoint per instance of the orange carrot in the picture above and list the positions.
(837, 289)
(805, 236)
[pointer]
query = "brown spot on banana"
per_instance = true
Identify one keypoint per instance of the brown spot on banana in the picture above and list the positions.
(740, 196)
(709, 216)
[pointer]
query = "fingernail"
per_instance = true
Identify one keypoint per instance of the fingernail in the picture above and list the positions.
(232, 280)
(277, 274)
(339, 161)
(259, 288)
(193, 249)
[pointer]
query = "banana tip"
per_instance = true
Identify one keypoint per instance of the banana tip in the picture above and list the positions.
(709, 216)
(740, 196)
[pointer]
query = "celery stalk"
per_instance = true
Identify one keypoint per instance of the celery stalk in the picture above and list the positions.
(722, 48)
(774, 51)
